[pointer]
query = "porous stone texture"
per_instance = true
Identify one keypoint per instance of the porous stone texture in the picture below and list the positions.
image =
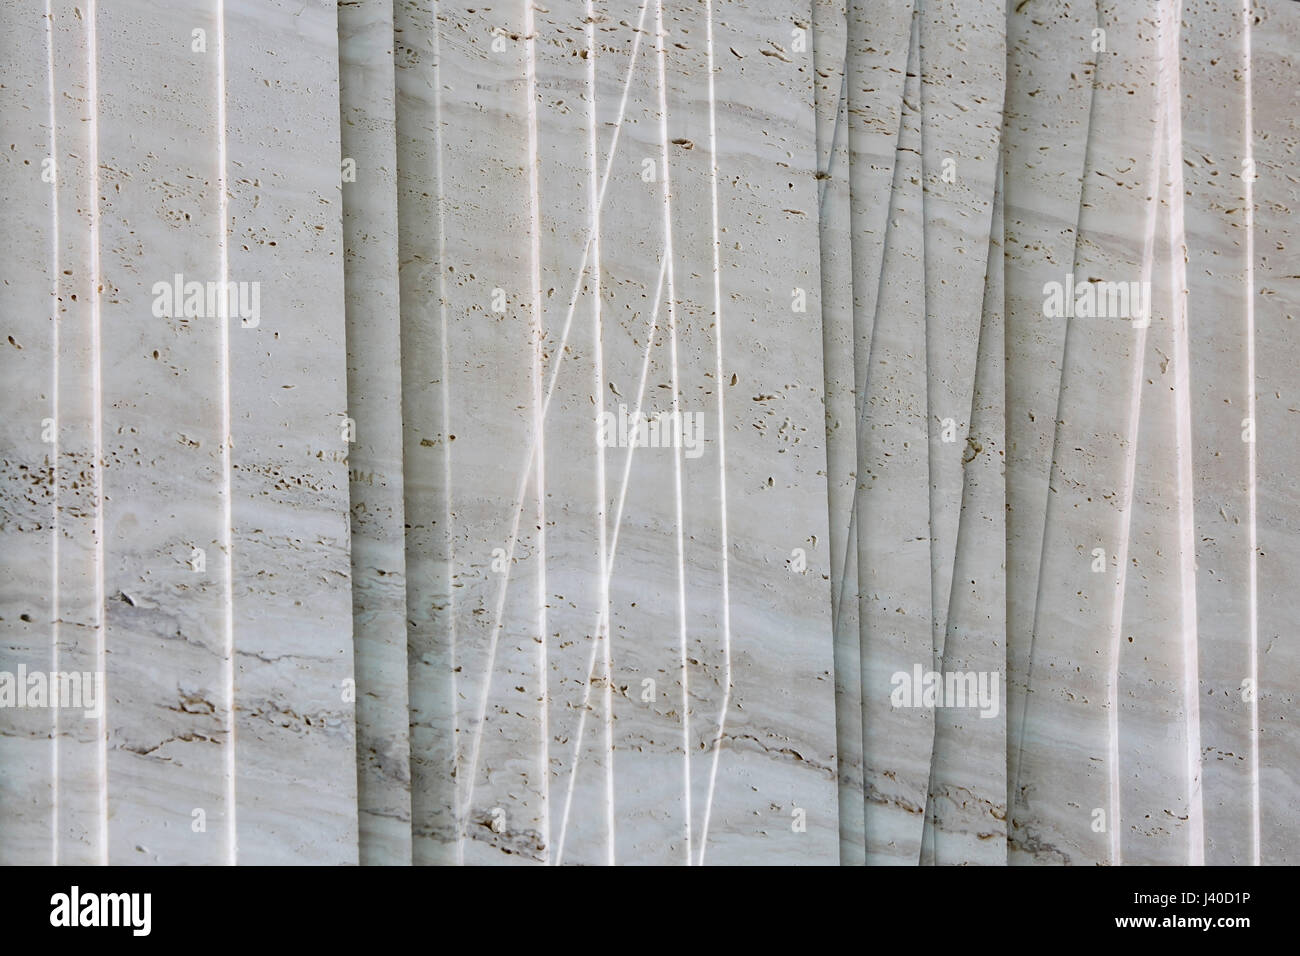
(641, 432)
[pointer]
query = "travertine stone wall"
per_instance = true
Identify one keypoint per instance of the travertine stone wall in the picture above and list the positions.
(640, 431)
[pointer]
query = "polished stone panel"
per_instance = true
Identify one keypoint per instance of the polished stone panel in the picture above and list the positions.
(648, 432)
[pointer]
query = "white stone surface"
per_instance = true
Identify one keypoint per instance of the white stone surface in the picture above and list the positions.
(369, 579)
(368, 129)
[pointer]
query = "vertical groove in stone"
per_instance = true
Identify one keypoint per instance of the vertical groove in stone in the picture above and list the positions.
(830, 37)
(423, 278)
(877, 45)
(370, 236)
(893, 527)
(961, 136)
